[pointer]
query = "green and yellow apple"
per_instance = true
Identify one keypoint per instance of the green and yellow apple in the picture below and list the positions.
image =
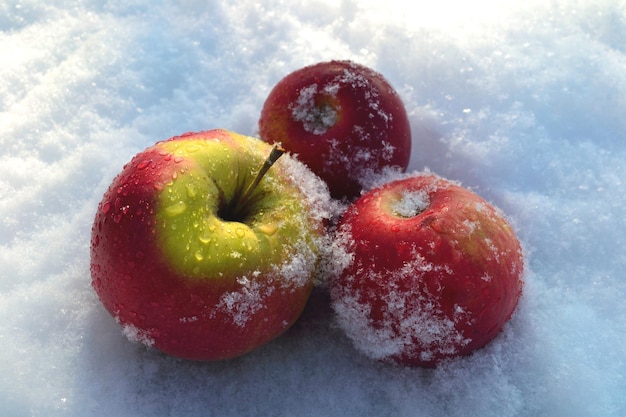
(343, 120)
(196, 254)
(430, 271)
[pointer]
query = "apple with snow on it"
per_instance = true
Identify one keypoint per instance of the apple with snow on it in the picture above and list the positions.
(342, 119)
(203, 251)
(429, 271)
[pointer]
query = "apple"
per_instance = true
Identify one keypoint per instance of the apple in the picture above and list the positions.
(343, 120)
(203, 251)
(429, 271)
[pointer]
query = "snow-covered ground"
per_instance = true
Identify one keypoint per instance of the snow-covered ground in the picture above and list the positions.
(522, 101)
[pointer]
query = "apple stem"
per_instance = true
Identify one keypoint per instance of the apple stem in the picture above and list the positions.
(277, 152)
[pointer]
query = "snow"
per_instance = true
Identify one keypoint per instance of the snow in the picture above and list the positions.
(521, 101)
(304, 110)
(411, 203)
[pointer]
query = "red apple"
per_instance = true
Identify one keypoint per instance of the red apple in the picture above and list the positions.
(342, 119)
(197, 255)
(431, 271)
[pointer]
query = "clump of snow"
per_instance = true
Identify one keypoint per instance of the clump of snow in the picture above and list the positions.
(242, 304)
(300, 264)
(411, 203)
(137, 335)
(316, 118)
(322, 207)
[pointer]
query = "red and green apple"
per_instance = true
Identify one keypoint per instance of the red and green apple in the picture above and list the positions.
(430, 271)
(196, 254)
(344, 120)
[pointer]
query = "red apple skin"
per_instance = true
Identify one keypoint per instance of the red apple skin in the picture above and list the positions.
(156, 304)
(428, 287)
(366, 126)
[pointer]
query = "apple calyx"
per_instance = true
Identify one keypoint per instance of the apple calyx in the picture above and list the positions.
(238, 204)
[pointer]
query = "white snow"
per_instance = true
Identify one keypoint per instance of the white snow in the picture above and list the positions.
(411, 203)
(245, 302)
(315, 120)
(521, 101)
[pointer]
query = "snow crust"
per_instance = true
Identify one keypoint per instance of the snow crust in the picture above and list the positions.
(522, 102)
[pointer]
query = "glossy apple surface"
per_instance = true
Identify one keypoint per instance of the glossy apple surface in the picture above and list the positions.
(342, 119)
(431, 271)
(182, 268)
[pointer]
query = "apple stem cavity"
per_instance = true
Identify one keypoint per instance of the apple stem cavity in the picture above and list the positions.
(276, 152)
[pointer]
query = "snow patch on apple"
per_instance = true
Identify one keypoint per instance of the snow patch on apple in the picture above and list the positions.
(336, 257)
(316, 119)
(297, 271)
(321, 206)
(410, 323)
(245, 302)
(411, 203)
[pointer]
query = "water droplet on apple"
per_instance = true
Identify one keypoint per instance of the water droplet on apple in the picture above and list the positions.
(191, 148)
(143, 164)
(106, 207)
(178, 159)
(199, 256)
(204, 239)
(176, 209)
(192, 190)
(240, 232)
(268, 229)
(212, 228)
